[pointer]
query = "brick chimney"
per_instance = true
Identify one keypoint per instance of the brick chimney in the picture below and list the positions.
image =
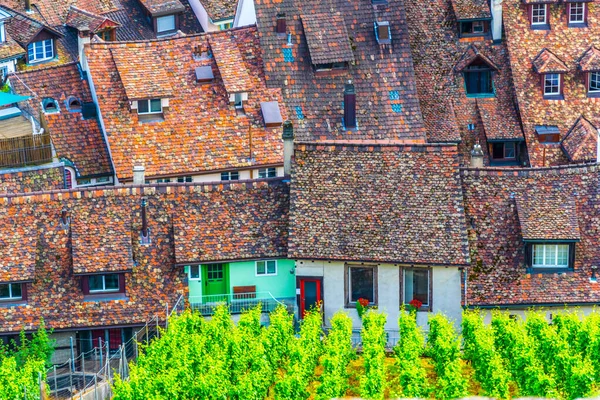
(477, 156)
(349, 106)
(288, 146)
(139, 175)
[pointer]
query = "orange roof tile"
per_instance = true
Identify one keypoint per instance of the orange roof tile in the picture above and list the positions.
(327, 38)
(235, 75)
(547, 61)
(590, 60)
(581, 142)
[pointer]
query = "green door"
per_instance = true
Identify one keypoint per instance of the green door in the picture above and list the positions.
(215, 280)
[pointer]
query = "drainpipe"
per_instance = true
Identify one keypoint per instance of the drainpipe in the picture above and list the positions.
(288, 147)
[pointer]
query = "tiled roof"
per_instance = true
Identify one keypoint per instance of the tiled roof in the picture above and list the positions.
(439, 54)
(227, 55)
(22, 28)
(386, 100)
(101, 239)
(365, 202)
(590, 61)
(547, 61)
(74, 138)
(581, 142)
(220, 9)
(34, 179)
(233, 225)
(53, 13)
(84, 20)
(201, 130)
(10, 49)
(540, 1)
(568, 44)
(141, 71)
(547, 215)
(327, 38)
(471, 9)
(471, 55)
(19, 246)
(162, 7)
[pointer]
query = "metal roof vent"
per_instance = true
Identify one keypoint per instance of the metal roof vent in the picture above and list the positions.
(383, 33)
(271, 114)
(204, 74)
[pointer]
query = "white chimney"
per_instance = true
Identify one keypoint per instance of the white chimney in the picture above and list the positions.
(83, 38)
(139, 175)
(288, 146)
(477, 156)
(496, 20)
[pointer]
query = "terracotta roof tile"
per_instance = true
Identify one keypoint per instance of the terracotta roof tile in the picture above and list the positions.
(327, 38)
(18, 243)
(220, 9)
(363, 202)
(84, 20)
(471, 55)
(547, 215)
(499, 122)
(471, 9)
(162, 7)
(547, 61)
(590, 60)
(22, 28)
(581, 142)
(36, 179)
(235, 76)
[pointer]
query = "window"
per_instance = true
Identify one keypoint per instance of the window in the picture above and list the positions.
(2, 34)
(576, 13)
(103, 179)
(416, 286)
(331, 66)
(3, 73)
(40, 51)
(228, 25)
(238, 101)
(68, 178)
(478, 80)
(550, 256)
(594, 82)
(107, 35)
(551, 84)
(267, 172)
(539, 14)
(505, 150)
(194, 272)
(165, 24)
(50, 105)
(94, 181)
(11, 291)
(163, 180)
(73, 104)
(103, 283)
(473, 28)
(150, 106)
(266, 267)
(230, 176)
(361, 283)
(183, 179)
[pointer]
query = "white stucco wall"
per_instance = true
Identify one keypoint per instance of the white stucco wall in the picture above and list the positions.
(548, 311)
(446, 291)
(245, 14)
(10, 65)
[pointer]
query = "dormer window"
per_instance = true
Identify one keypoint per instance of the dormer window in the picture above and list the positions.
(40, 51)
(577, 13)
(383, 33)
(108, 35)
(339, 66)
(50, 106)
(539, 16)
(165, 24)
(594, 83)
(478, 80)
(552, 85)
(150, 106)
(74, 104)
(474, 28)
(11, 292)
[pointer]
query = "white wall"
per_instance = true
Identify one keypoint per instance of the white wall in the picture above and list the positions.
(446, 291)
(245, 14)
(548, 311)
(202, 16)
(10, 64)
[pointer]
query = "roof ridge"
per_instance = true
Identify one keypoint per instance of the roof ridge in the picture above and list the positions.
(581, 168)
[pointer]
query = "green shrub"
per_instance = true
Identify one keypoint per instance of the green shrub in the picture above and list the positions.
(408, 352)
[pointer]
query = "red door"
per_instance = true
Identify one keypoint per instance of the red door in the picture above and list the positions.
(98, 338)
(310, 294)
(114, 339)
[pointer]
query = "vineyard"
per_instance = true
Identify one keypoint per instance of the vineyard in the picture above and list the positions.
(217, 359)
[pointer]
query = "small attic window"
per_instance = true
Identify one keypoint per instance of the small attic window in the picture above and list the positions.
(50, 106)
(73, 104)
(281, 25)
(474, 28)
(383, 33)
(547, 133)
(88, 110)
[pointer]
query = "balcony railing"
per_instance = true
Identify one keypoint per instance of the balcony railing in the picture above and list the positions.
(239, 302)
(25, 150)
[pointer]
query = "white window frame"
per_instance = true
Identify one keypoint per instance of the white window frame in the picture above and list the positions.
(404, 290)
(539, 7)
(546, 93)
(582, 5)
(10, 294)
(266, 172)
(93, 181)
(591, 76)
(104, 289)
(149, 102)
(266, 273)
(229, 178)
(544, 246)
(163, 18)
(46, 56)
(2, 32)
(478, 24)
(374, 288)
(199, 273)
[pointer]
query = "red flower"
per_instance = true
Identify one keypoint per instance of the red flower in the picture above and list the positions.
(415, 303)
(363, 302)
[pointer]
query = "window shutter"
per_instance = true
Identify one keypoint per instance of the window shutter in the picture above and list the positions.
(572, 255)
(562, 81)
(585, 13)
(528, 254)
(568, 12)
(24, 291)
(530, 14)
(121, 283)
(85, 286)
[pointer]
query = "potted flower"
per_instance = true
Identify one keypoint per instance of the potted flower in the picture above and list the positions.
(414, 305)
(362, 305)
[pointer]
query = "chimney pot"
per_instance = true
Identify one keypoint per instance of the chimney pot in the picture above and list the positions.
(477, 156)
(288, 146)
(349, 106)
(139, 175)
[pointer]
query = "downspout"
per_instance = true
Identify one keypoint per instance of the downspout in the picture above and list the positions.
(465, 274)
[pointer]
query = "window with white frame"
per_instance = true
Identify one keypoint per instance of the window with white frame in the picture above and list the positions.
(268, 267)
(238, 101)
(149, 106)
(576, 13)
(40, 51)
(594, 82)
(103, 180)
(2, 34)
(165, 24)
(225, 26)
(11, 291)
(267, 172)
(361, 284)
(416, 285)
(103, 283)
(194, 272)
(539, 14)
(550, 256)
(230, 176)
(551, 84)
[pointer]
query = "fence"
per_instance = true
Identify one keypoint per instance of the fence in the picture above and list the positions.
(89, 375)
(238, 302)
(19, 151)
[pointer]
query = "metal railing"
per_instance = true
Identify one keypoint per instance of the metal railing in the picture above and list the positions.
(24, 150)
(238, 302)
